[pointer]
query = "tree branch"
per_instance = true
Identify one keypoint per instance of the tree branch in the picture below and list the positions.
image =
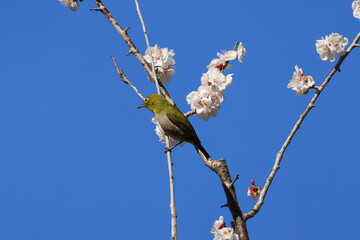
(168, 153)
(133, 50)
(296, 127)
(125, 80)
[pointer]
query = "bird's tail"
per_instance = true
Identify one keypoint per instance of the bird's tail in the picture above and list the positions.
(202, 149)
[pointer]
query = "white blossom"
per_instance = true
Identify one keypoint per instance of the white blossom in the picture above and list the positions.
(300, 83)
(72, 4)
(356, 9)
(163, 62)
(241, 52)
(215, 77)
(218, 63)
(221, 232)
(330, 46)
(206, 101)
(227, 55)
(161, 134)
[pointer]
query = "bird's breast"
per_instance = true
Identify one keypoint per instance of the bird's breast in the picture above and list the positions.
(170, 128)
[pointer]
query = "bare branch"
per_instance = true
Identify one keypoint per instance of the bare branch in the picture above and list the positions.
(172, 193)
(125, 80)
(189, 113)
(296, 127)
(236, 178)
(168, 153)
(148, 45)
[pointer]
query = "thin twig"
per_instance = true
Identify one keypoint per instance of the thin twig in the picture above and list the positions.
(148, 46)
(296, 127)
(236, 178)
(167, 142)
(125, 80)
(189, 113)
(172, 194)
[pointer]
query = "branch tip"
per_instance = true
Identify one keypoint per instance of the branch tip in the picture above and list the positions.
(236, 178)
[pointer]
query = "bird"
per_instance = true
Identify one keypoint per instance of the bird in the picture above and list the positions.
(173, 121)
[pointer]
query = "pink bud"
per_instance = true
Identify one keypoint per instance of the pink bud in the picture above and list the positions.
(252, 182)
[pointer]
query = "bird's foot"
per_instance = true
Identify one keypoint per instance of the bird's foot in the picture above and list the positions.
(171, 148)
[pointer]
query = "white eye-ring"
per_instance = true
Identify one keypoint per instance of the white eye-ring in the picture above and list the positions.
(146, 100)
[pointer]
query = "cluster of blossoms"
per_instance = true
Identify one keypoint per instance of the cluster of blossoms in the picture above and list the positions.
(221, 232)
(206, 101)
(300, 83)
(356, 9)
(72, 4)
(253, 191)
(330, 46)
(327, 48)
(163, 62)
(161, 134)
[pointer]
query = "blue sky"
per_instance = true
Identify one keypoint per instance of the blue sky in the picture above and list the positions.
(79, 161)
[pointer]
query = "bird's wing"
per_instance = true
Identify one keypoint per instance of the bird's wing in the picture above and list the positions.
(184, 124)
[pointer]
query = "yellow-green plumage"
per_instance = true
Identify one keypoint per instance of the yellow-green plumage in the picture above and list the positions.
(173, 121)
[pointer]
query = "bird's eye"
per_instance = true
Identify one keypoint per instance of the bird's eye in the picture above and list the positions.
(146, 100)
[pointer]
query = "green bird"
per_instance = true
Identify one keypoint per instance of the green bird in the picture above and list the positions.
(173, 121)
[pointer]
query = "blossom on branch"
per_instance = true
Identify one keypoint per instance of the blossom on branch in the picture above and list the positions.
(161, 134)
(253, 191)
(221, 232)
(214, 77)
(227, 55)
(218, 63)
(356, 9)
(300, 83)
(163, 62)
(330, 46)
(241, 52)
(206, 101)
(72, 4)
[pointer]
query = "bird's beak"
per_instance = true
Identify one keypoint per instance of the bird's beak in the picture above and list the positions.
(142, 105)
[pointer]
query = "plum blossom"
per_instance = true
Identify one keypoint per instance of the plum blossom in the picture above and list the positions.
(227, 55)
(330, 46)
(215, 77)
(241, 52)
(163, 62)
(253, 194)
(223, 57)
(218, 63)
(356, 8)
(300, 83)
(161, 134)
(72, 4)
(221, 232)
(207, 101)
(253, 191)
